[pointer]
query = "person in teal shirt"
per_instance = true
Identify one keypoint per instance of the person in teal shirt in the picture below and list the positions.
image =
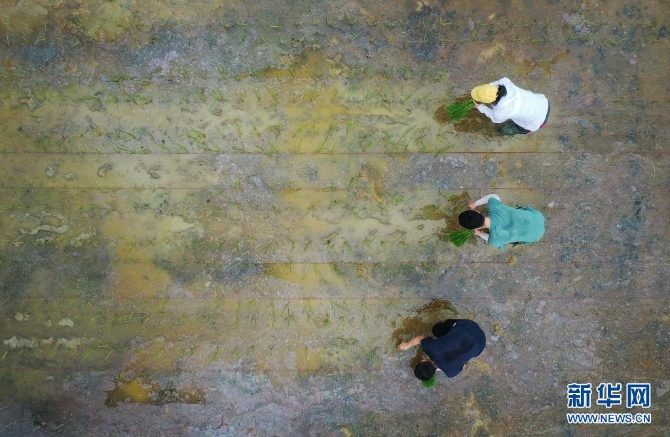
(506, 225)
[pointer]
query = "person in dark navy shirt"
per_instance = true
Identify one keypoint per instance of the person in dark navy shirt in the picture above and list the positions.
(457, 342)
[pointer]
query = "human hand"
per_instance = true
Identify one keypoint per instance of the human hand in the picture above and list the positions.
(478, 232)
(472, 205)
(404, 346)
(410, 344)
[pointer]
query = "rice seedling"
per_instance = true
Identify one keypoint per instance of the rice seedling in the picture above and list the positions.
(124, 136)
(404, 135)
(387, 139)
(329, 134)
(5, 301)
(457, 111)
(430, 383)
(199, 94)
(218, 95)
(458, 238)
(365, 141)
(342, 322)
(424, 147)
(86, 354)
(221, 70)
(308, 242)
(369, 239)
(118, 77)
(288, 317)
(197, 136)
(308, 311)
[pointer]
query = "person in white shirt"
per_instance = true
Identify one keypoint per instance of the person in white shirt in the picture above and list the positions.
(522, 111)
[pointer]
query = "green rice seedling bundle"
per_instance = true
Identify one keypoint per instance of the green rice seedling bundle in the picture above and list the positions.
(430, 383)
(457, 111)
(460, 237)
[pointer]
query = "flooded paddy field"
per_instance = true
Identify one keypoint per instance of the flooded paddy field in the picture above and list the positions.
(221, 218)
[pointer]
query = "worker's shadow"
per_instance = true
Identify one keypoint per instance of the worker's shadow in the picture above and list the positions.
(473, 122)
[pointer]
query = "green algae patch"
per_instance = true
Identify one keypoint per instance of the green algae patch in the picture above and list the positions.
(137, 391)
(437, 306)
(437, 310)
(457, 204)
(433, 212)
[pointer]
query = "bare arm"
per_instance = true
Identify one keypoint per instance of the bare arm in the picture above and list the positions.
(410, 344)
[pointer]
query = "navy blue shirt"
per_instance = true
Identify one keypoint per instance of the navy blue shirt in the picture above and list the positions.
(464, 341)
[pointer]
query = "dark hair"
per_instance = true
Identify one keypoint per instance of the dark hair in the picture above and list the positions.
(424, 370)
(471, 219)
(502, 92)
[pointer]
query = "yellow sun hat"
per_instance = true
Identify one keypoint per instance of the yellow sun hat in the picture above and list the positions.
(485, 93)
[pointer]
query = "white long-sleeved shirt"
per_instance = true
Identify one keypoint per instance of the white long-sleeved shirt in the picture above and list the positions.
(525, 108)
(486, 198)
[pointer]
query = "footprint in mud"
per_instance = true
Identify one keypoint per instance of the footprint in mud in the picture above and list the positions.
(51, 171)
(70, 176)
(153, 172)
(94, 103)
(104, 168)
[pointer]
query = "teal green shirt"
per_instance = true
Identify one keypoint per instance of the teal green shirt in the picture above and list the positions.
(513, 225)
